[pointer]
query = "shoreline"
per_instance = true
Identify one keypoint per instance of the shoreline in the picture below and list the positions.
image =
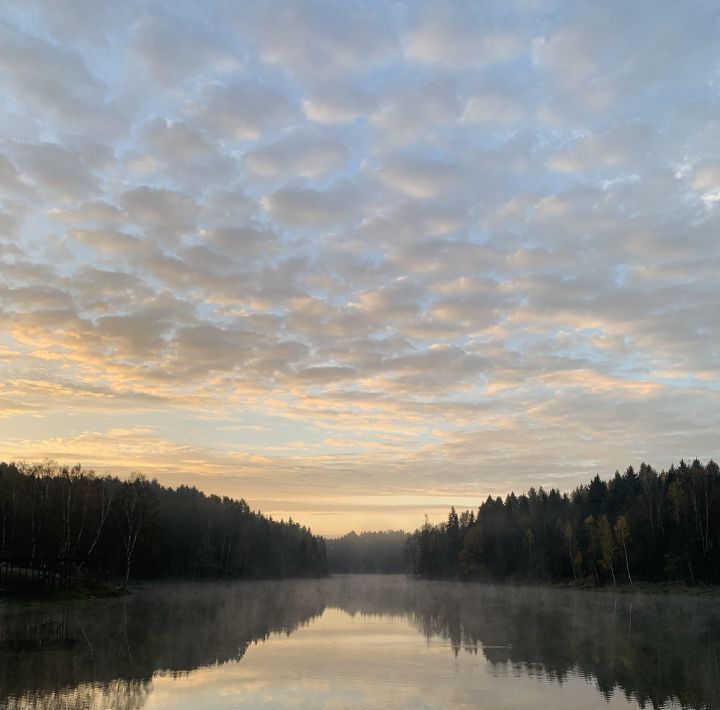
(101, 591)
(645, 588)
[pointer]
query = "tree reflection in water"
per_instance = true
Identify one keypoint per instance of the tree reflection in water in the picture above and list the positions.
(105, 653)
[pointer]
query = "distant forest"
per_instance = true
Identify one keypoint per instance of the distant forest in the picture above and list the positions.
(641, 525)
(367, 553)
(118, 529)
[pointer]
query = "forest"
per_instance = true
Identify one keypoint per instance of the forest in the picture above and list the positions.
(367, 553)
(114, 529)
(638, 526)
(641, 525)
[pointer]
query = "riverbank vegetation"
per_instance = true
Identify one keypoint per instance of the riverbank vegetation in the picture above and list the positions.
(639, 526)
(107, 528)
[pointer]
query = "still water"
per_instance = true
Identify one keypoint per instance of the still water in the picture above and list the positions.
(362, 642)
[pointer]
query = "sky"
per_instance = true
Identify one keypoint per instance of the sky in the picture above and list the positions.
(359, 261)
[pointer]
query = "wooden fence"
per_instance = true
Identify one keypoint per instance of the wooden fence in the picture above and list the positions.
(49, 575)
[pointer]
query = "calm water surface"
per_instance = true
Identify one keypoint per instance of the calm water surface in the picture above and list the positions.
(357, 642)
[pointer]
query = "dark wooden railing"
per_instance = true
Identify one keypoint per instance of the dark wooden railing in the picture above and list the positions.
(46, 574)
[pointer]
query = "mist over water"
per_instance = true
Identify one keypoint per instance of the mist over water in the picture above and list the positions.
(362, 641)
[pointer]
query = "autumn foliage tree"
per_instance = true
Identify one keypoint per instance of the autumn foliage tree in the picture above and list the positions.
(639, 525)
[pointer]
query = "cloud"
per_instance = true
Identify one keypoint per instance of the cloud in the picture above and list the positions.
(308, 207)
(174, 141)
(420, 177)
(410, 111)
(494, 105)
(706, 180)
(10, 178)
(174, 49)
(46, 74)
(159, 211)
(601, 58)
(110, 241)
(321, 36)
(135, 336)
(342, 247)
(337, 102)
(57, 169)
(243, 110)
(307, 155)
(248, 241)
(626, 145)
(458, 35)
(88, 213)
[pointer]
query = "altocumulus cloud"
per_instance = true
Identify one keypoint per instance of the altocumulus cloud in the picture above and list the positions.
(330, 254)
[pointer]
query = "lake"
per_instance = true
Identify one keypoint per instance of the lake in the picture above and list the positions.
(362, 642)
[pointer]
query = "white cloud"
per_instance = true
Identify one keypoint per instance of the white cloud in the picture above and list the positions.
(419, 177)
(10, 179)
(626, 145)
(706, 180)
(242, 111)
(458, 35)
(320, 37)
(308, 207)
(302, 153)
(412, 112)
(55, 168)
(159, 211)
(431, 231)
(174, 49)
(337, 102)
(495, 106)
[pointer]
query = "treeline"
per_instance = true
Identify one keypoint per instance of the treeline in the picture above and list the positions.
(112, 528)
(641, 525)
(368, 552)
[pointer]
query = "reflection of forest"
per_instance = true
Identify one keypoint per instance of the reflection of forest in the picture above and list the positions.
(653, 649)
(104, 654)
(113, 647)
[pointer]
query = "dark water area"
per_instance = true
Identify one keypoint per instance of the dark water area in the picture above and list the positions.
(362, 641)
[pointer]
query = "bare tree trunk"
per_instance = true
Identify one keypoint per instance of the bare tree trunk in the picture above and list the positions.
(104, 510)
(227, 559)
(129, 550)
(707, 517)
(14, 515)
(698, 515)
(133, 518)
(627, 564)
(65, 542)
(81, 528)
(33, 523)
